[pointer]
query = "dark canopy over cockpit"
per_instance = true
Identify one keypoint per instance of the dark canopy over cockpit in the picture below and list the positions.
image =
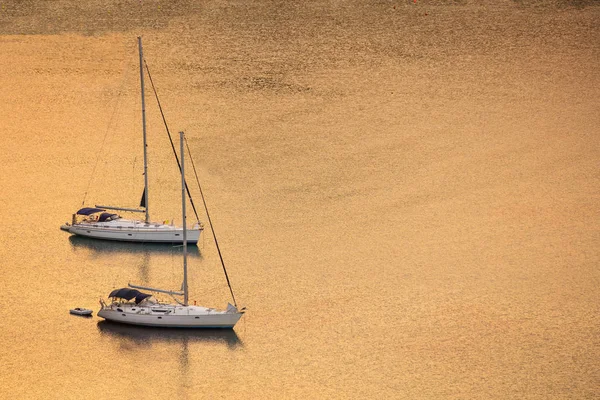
(107, 217)
(89, 211)
(128, 294)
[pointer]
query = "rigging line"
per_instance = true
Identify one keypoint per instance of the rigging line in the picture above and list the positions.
(210, 222)
(171, 140)
(124, 75)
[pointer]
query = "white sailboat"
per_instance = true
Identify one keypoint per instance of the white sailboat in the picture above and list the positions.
(130, 306)
(100, 223)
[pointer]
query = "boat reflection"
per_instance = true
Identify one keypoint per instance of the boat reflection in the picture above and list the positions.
(146, 336)
(109, 247)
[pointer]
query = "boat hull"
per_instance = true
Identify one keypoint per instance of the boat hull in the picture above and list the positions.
(147, 233)
(81, 311)
(211, 321)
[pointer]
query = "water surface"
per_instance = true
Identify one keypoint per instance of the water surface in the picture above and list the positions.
(405, 194)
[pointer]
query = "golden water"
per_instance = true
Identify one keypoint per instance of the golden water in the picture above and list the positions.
(405, 194)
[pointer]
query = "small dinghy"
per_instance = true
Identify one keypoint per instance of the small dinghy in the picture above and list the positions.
(80, 311)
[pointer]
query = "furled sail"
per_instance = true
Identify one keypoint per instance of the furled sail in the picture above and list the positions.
(143, 200)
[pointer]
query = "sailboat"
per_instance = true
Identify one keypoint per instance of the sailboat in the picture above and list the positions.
(100, 222)
(131, 306)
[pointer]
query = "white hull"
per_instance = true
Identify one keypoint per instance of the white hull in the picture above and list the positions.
(169, 316)
(133, 231)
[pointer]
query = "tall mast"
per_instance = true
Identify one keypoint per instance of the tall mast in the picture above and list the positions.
(144, 131)
(185, 285)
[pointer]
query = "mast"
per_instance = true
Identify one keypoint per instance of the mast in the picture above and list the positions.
(145, 196)
(185, 285)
